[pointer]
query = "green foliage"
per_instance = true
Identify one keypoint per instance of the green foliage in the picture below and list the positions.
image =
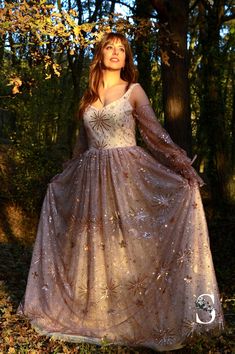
(37, 30)
(39, 142)
(34, 165)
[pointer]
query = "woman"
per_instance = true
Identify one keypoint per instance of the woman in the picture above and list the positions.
(122, 250)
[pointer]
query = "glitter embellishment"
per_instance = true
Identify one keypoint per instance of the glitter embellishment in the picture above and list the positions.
(122, 249)
(138, 285)
(101, 144)
(184, 256)
(190, 327)
(82, 291)
(100, 122)
(164, 336)
(110, 290)
(161, 200)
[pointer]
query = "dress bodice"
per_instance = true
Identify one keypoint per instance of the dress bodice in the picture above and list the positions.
(111, 126)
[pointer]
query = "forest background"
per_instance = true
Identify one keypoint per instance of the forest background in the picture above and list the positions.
(184, 54)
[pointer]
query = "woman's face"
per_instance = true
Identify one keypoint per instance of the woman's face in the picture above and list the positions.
(114, 55)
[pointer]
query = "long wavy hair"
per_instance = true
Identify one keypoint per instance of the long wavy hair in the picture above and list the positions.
(128, 73)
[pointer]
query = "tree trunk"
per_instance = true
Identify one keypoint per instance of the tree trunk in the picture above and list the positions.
(233, 130)
(142, 47)
(173, 17)
(212, 132)
(2, 48)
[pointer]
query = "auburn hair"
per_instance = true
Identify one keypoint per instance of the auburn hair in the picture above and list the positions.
(128, 73)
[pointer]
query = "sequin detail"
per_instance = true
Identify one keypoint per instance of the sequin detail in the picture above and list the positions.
(122, 251)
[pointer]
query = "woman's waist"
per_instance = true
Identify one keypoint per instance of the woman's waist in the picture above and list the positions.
(111, 143)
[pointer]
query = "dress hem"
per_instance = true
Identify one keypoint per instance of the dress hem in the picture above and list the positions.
(102, 341)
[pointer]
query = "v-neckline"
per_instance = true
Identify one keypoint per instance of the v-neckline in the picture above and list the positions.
(114, 101)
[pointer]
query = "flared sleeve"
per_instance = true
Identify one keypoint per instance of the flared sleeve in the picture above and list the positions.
(160, 144)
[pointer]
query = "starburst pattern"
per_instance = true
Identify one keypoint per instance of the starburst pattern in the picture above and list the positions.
(35, 274)
(138, 285)
(164, 336)
(161, 200)
(162, 272)
(109, 290)
(189, 327)
(76, 223)
(123, 244)
(184, 256)
(139, 303)
(141, 215)
(101, 144)
(51, 271)
(100, 122)
(82, 292)
(125, 226)
(187, 279)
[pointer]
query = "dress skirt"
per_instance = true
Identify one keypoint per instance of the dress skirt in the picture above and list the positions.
(122, 255)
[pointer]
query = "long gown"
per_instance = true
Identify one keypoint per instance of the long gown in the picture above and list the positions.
(122, 252)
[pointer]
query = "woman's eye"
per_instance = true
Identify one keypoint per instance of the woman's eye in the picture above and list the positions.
(109, 47)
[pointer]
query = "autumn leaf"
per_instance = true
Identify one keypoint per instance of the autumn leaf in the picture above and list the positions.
(17, 83)
(77, 30)
(56, 68)
(165, 57)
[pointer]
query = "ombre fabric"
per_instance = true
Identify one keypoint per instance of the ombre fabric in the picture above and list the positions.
(122, 251)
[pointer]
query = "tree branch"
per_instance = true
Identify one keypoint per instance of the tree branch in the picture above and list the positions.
(161, 6)
(126, 5)
(228, 18)
(194, 5)
(98, 5)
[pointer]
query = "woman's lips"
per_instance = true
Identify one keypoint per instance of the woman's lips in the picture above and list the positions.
(116, 60)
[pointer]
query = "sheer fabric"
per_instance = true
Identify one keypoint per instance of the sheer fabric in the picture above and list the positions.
(162, 147)
(122, 250)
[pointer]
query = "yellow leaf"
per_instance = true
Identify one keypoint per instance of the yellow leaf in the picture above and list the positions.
(77, 30)
(165, 57)
(56, 69)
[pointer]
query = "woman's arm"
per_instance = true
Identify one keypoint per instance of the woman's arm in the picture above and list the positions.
(157, 139)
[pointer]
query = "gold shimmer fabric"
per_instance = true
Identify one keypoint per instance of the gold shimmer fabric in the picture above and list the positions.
(122, 251)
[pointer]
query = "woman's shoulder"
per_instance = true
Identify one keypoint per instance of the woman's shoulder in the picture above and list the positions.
(138, 96)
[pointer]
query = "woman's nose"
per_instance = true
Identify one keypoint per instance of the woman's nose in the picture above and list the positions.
(115, 51)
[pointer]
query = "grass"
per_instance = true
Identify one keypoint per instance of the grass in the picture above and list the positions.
(18, 337)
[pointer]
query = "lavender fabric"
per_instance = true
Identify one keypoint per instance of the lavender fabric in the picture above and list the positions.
(122, 251)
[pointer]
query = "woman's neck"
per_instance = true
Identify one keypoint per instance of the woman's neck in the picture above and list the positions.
(111, 78)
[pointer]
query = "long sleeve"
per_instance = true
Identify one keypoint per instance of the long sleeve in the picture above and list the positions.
(161, 146)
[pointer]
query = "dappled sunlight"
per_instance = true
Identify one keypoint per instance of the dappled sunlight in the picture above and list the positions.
(175, 107)
(15, 224)
(231, 187)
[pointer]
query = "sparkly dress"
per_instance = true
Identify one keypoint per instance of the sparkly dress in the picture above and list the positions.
(122, 251)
